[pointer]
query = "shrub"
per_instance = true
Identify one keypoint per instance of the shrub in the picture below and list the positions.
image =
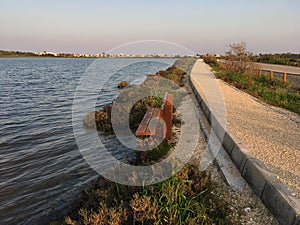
(210, 59)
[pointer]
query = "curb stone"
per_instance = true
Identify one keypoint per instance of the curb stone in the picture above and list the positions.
(257, 175)
(239, 155)
(271, 191)
(297, 220)
(279, 201)
(222, 160)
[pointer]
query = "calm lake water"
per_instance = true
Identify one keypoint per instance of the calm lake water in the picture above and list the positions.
(41, 168)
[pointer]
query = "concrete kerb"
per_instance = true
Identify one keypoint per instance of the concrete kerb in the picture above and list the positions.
(280, 202)
(257, 175)
(239, 155)
(218, 128)
(271, 191)
(205, 110)
(297, 220)
(228, 143)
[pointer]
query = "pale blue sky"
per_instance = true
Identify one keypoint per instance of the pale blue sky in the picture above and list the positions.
(94, 26)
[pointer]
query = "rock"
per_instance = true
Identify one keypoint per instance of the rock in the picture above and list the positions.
(122, 84)
(247, 209)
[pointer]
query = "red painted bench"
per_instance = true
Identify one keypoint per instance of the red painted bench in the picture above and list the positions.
(149, 125)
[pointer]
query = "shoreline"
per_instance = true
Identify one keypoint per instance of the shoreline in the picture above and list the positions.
(18, 54)
(59, 57)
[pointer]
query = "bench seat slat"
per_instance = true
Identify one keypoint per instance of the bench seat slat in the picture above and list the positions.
(149, 124)
(142, 129)
(151, 128)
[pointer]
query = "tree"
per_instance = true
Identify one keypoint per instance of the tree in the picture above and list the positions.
(238, 59)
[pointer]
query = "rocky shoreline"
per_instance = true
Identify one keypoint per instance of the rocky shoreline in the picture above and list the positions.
(101, 119)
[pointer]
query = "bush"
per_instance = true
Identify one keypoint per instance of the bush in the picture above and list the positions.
(210, 59)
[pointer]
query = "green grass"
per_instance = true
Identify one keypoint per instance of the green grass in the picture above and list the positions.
(186, 198)
(153, 156)
(159, 152)
(273, 92)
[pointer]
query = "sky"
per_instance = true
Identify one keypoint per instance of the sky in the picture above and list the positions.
(96, 26)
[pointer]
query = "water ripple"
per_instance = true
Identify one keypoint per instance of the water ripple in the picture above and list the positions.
(41, 168)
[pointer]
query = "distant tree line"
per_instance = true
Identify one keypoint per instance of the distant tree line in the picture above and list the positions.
(16, 54)
(289, 59)
(4, 53)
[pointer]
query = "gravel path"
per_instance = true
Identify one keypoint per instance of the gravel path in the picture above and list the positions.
(272, 134)
(245, 206)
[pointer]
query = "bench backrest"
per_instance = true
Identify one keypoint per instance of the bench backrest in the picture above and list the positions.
(167, 114)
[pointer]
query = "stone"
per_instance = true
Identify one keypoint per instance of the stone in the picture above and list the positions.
(122, 84)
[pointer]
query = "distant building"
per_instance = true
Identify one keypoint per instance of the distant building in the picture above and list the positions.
(47, 53)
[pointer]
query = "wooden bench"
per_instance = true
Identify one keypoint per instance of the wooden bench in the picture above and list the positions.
(149, 125)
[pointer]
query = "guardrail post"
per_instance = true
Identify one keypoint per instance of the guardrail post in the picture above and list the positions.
(271, 74)
(259, 73)
(284, 77)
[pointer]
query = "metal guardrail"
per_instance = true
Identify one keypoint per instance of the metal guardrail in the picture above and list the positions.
(287, 73)
(292, 70)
